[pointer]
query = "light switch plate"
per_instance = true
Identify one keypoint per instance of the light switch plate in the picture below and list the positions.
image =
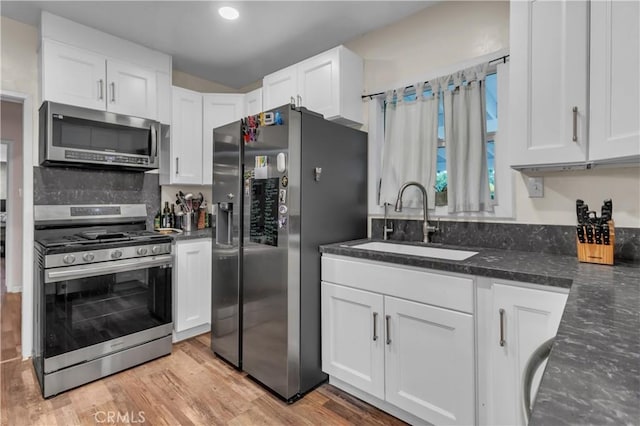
(535, 186)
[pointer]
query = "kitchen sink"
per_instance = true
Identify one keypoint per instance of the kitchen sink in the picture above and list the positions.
(425, 251)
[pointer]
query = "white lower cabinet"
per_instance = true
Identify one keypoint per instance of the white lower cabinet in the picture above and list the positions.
(352, 337)
(191, 288)
(514, 319)
(417, 357)
(429, 361)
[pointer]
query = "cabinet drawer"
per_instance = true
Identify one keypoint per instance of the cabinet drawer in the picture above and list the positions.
(425, 286)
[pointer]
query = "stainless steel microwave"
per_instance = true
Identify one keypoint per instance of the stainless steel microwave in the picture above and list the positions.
(74, 136)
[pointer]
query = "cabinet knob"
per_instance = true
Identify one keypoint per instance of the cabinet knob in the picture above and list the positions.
(88, 257)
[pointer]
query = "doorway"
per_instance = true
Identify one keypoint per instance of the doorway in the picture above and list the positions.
(11, 259)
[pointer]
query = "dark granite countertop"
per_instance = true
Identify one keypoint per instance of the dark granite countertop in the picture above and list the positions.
(593, 373)
(192, 235)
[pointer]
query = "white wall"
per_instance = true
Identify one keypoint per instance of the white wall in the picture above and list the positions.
(453, 32)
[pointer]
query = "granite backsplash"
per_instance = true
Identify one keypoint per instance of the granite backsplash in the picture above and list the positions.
(551, 239)
(60, 185)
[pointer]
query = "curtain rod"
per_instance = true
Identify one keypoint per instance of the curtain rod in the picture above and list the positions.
(502, 59)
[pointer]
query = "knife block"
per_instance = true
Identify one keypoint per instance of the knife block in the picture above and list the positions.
(598, 253)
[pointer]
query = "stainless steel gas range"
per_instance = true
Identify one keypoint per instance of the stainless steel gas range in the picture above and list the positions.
(102, 293)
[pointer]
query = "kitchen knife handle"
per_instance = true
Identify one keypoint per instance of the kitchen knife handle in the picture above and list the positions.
(101, 89)
(375, 326)
(387, 318)
(502, 340)
(575, 123)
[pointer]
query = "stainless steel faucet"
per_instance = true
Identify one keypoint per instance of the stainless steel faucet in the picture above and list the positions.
(426, 228)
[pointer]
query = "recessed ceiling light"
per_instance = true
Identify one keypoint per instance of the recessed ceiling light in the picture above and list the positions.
(229, 13)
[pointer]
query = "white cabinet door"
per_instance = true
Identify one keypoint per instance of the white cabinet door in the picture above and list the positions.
(73, 76)
(353, 338)
(253, 102)
(548, 80)
(529, 318)
(218, 109)
(186, 137)
(319, 83)
(131, 90)
(192, 284)
(430, 361)
(278, 88)
(615, 86)
(331, 84)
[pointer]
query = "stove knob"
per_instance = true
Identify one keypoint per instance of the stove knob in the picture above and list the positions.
(88, 257)
(142, 251)
(116, 254)
(155, 249)
(69, 259)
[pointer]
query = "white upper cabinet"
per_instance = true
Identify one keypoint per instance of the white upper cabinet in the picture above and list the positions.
(73, 76)
(329, 83)
(253, 102)
(84, 67)
(185, 159)
(548, 91)
(131, 90)
(615, 82)
(80, 77)
(218, 109)
(278, 88)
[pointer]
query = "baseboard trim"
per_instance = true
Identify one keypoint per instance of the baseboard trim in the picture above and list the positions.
(191, 332)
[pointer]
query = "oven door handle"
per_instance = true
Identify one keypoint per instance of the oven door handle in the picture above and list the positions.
(83, 271)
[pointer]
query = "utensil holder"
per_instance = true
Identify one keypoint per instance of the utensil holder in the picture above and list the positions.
(189, 222)
(598, 253)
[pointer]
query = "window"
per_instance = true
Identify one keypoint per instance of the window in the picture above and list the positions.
(491, 85)
(500, 175)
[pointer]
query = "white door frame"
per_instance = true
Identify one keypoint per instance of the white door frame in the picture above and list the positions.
(9, 266)
(28, 142)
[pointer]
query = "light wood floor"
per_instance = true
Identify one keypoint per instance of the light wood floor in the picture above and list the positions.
(190, 386)
(10, 326)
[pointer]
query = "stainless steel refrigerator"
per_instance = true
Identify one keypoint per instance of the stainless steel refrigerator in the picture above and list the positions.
(279, 193)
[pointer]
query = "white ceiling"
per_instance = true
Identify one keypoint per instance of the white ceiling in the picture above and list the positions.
(269, 35)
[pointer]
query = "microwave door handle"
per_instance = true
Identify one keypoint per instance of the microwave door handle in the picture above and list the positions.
(154, 140)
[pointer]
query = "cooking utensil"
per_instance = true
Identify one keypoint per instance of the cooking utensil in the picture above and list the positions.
(580, 232)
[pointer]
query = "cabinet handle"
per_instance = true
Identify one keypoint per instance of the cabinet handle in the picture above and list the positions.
(502, 341)
(101, 89)
(375, 326)
(575, 123)
(177, 165)
(113, 91)
(387, 318)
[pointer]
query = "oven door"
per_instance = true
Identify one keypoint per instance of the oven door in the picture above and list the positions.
(93, 310)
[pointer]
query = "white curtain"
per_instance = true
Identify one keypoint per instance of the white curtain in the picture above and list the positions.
(410, 146)
(465, 133)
